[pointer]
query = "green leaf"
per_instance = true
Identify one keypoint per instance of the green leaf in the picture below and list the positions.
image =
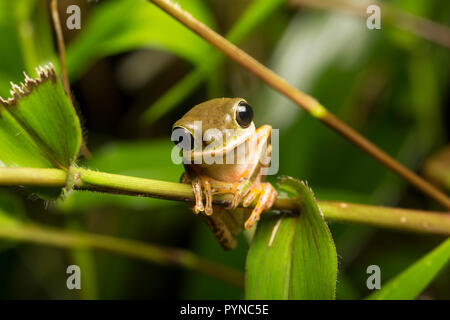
(411, 282)
(118, 26)
(293, 257)
(38, 125)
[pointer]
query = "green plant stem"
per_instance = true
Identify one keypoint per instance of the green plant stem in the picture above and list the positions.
(84, 179)
(152, 253)
(303, 100)
(32, 177)
(385, 217)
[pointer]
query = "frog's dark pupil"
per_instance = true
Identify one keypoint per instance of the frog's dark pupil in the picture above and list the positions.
(182, 138)
(244, 114)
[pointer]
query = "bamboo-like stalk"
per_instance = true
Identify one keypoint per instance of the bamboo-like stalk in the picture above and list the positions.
(385, 217)
(152, 253)
(84, 179)
(308, 103)
(61, 46)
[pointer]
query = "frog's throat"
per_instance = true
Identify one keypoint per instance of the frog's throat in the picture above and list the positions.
(243, 138)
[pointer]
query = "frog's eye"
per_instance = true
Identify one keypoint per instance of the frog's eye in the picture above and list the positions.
(244, 114)
(182, 138)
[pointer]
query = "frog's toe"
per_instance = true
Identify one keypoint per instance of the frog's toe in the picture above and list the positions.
(236, 191)
(196, 186)
(266, 199)
(208, 197)
(203, 191)
(252, 195)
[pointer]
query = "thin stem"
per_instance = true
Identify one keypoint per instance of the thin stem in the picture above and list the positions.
(33, 177)
(308, 103)
(391, 218)
(418, 26)
(62, 61)
(61, 46)
(151, 253)
(83, 179)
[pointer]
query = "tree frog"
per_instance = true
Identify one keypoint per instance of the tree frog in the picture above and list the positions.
(223, 153)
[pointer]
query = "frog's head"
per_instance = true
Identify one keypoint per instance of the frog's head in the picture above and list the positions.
(198, 128)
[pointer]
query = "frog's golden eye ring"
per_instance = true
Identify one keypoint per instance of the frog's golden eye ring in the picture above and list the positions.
(182, 138)
(244, 114)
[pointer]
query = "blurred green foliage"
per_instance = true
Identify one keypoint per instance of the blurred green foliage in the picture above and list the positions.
(390, 85)
(125, 25)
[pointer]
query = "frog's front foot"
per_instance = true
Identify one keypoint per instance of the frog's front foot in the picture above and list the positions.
(266, 195)
(204, 188)
(198, 193)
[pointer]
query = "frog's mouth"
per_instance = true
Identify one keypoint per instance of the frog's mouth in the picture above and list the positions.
(244, 136)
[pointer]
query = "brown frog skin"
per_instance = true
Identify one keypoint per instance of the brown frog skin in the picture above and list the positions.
(232, 120)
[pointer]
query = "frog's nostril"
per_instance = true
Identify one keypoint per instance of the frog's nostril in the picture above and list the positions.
(182, 138)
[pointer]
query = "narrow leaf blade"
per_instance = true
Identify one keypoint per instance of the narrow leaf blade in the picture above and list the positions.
(411, 282)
